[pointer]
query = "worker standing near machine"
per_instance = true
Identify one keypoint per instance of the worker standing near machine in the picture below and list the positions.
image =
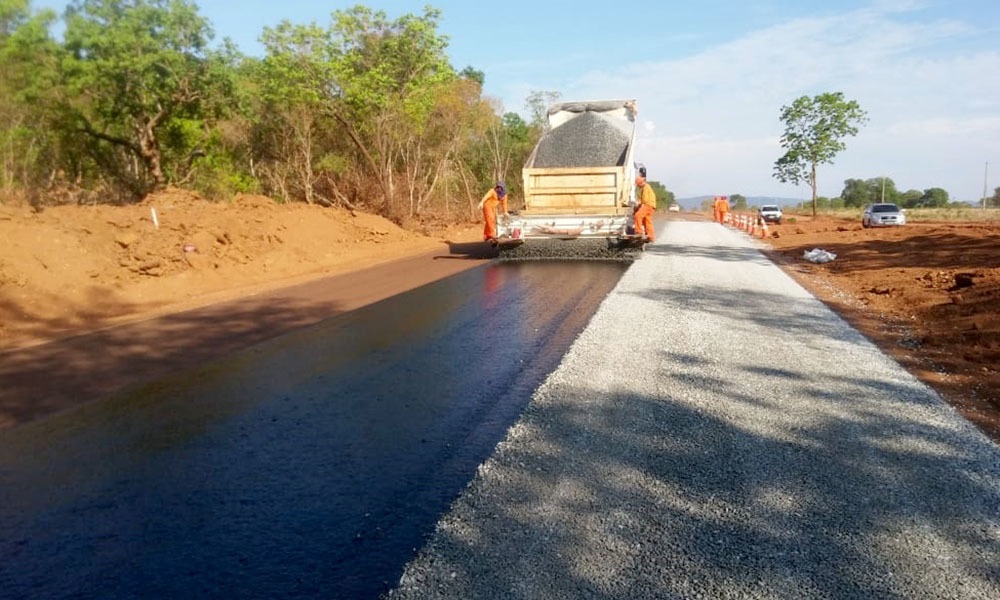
(495, 198)
(646, 198)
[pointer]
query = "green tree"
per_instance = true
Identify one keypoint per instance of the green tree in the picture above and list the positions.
(509, 140)
(830, 203)
(738, 202)
(295, 112)
(389, 74)
(473, 74)
(882, 189)
(497, 151)
(934, 197)
(135, 70)
(822, 203)
(856, 193)
(910, 198)
(664, 197)
(814, 132)
(383, 82)
(28, 57)
(994, 200)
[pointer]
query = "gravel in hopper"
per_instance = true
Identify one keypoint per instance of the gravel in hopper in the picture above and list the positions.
(589, 140)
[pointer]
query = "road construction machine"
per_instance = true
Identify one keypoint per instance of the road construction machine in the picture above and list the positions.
(579, 186)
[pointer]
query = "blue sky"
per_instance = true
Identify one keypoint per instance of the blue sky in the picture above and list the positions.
(710, 77)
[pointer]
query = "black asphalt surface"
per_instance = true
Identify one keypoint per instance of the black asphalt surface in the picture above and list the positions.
(311, 465)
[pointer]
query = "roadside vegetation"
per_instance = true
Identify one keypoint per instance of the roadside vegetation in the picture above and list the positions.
(364, 112)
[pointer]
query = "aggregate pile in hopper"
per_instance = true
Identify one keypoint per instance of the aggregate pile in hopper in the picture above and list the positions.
(578, 187)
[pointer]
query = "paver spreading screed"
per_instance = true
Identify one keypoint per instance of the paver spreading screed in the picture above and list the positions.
(716, 432)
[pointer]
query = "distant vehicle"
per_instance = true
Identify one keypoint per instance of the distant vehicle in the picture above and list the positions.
(882, 214)
(674, 207)
(770, 213)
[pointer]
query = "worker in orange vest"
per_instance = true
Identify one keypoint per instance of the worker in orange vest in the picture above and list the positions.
(646, 197)
(715, 209)
(723, 208)
(495, 198)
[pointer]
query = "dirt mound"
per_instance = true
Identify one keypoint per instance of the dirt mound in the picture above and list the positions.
(71, 268)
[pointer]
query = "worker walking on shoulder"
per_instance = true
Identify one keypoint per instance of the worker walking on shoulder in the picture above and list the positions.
(723, 209)
(497, 197)
(646, 198)
(715, 209)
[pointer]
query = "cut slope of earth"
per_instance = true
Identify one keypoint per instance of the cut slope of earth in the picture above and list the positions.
(71, 268)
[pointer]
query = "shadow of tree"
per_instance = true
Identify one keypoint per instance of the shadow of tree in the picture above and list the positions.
(656, 496)
(49, 377)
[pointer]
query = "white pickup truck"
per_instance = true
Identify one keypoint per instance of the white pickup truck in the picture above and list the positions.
(579, 185)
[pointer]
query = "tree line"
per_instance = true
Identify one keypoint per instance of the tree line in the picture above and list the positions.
(859, 192)
(366, 111)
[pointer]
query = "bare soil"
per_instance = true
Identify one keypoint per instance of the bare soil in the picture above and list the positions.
(927, 293)
(68, 269)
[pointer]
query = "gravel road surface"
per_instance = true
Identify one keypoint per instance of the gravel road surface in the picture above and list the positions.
(716, 432)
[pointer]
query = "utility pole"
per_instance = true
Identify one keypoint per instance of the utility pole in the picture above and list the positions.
(883, 188)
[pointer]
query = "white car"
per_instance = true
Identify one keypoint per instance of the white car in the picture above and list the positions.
(674, 207)
(771, 213)
(882, 214)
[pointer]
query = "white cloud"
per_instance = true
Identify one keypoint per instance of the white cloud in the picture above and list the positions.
(946, 126)
(927, 85)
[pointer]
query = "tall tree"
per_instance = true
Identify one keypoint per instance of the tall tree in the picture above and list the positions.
(910, 198)
(815, 129)
(882, 189)
(856, 193)
(295, 108)
(934, 197)
(135, 68)
(388, 75)
(498, 151)
(473, 74)
(28, 57)
(537, 104)
(994, 200)
(379, 79)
